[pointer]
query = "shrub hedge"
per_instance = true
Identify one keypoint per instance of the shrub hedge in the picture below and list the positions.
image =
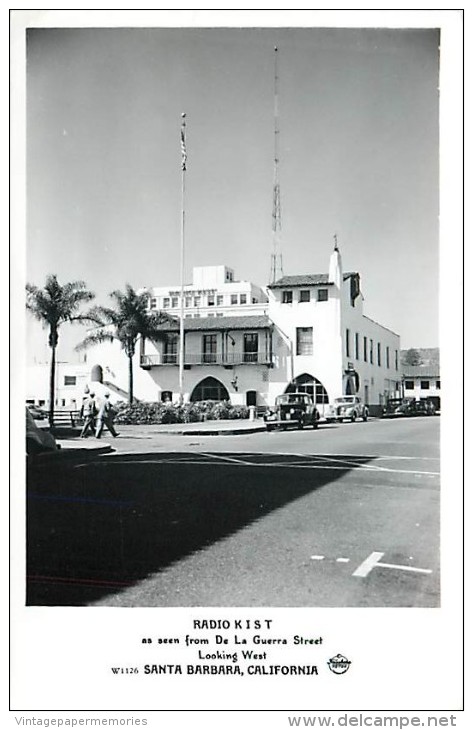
(153, 413)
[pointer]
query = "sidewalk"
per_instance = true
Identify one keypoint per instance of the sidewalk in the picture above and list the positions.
(70, 449)
(77, 447)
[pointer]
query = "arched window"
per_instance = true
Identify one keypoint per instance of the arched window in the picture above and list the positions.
(308, 384)
(209, 389)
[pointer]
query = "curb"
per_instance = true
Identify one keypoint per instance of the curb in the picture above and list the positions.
(53, 457)
(214, 432)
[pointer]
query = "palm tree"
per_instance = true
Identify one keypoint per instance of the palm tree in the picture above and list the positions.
(126, 322)
(53, 306)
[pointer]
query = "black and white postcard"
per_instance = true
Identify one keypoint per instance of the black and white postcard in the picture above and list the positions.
(237, 268)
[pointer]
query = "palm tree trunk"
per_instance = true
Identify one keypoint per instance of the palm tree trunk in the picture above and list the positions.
(130, 379)
(52, 378)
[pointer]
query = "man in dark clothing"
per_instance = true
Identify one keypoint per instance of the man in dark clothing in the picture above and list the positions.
(105, 418)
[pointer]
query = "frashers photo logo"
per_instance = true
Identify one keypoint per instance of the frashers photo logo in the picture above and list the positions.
(339, 664)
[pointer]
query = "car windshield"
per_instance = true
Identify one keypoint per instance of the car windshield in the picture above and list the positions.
(345, 400)
(292, 398)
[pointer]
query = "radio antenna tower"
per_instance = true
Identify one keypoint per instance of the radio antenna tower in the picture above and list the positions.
(276, 256)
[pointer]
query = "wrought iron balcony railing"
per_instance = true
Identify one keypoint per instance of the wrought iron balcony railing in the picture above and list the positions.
(207, 358)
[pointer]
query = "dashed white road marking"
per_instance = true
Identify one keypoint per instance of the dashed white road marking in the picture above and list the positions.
(343, 560)
(373, 561)
(317, 557)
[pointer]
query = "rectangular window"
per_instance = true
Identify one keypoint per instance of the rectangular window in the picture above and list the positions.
(174, 302)
(379, 354)
(196, 316)
(287, 297)
(152, 303)
(219, 300)
(211, 314)
(250, 347)
(170, 349)
(322, 295)
(371, 351)
(196, 301)
(211, 300)
(166, 302)
(396, 359)
(365, 349)
(347, 343)
(188, 301)
(409, 385)
(188, 316)
(209, 346)
(219, 314)
(304, 295)
(437, 384)
(242, 298)
(387, 357)
(234, 299)
(304, 341)
(357, 346)
(425, 384)
(70, 380)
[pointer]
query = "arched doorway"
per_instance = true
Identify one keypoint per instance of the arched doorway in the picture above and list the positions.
(308, 384)
(209, 389)
(351, 382)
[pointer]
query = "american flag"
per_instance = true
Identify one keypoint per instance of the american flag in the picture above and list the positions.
(183, 143)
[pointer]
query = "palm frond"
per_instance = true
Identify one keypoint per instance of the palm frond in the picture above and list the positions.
(95, 338)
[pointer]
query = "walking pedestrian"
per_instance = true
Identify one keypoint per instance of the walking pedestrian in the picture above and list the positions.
(105, 417)
(89, 412)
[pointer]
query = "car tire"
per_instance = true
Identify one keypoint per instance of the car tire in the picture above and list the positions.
(365, 416)
(353, 418)
(315, 424)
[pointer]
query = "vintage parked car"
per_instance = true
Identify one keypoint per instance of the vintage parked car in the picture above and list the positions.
(348, 407)
(423, 408)
(294, 410)
(396, 407)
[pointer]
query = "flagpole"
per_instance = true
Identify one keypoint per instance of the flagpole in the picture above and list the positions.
(183, 221)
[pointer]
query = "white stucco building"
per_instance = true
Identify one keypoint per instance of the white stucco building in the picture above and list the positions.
(248, 344)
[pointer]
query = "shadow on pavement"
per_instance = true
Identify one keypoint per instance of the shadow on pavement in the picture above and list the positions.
(98, 527)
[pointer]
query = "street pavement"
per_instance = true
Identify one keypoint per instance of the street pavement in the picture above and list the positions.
(345, 515)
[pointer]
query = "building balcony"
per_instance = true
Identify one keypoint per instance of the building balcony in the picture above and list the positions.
(228, 359)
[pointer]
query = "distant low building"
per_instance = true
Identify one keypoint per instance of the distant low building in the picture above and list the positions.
(423, 381)
(72, 381)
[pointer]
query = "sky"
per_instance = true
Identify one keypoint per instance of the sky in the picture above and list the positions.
(358, 118)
